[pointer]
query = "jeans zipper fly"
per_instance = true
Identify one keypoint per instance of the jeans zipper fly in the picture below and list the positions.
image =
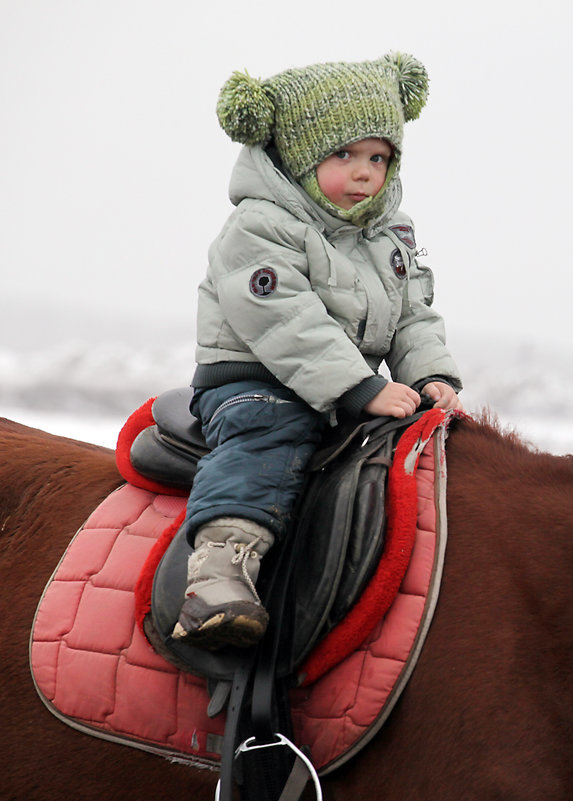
(247, 399)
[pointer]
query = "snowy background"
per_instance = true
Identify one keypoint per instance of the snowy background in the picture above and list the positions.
(87, 390)
(114, 173)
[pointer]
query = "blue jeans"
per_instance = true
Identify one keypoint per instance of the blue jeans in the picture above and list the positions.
(261, 439)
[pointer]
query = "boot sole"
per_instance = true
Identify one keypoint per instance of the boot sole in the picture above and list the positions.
(228, 626)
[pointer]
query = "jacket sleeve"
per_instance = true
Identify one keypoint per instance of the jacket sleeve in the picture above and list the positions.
(289, 329)
(418, 347)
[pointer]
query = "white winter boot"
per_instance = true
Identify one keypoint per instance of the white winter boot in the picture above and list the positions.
(221, 604)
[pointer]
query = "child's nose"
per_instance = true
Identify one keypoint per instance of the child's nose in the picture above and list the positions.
(361, 171)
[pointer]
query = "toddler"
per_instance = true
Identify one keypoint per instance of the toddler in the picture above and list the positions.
(313, 281)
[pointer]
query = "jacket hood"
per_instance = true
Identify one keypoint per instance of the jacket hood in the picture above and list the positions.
(259, 174)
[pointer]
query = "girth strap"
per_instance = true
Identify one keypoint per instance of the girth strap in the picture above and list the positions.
(270, 767)
(240, 685)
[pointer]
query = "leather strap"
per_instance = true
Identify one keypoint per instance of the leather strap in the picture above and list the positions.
(296, 782)
(241, 682)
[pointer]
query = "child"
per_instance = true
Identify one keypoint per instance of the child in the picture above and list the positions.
(312, 282)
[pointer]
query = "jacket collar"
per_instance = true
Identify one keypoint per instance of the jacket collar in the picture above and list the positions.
(258, 174)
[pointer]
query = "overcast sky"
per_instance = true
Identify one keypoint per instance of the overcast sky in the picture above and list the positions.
(114, 172)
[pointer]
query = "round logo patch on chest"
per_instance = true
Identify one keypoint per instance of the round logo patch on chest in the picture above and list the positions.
(397, 263)
(263, 282)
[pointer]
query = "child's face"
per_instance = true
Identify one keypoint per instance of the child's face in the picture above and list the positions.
(354, 173)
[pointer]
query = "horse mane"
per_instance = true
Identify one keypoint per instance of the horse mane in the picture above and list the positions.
(505, 442)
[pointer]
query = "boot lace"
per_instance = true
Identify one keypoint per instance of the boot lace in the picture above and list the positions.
(242, 556)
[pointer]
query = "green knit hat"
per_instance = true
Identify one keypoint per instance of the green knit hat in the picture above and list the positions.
(314, 111)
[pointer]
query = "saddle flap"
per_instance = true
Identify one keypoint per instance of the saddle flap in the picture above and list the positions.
(323, 529)
(365, 545)
(340, 538)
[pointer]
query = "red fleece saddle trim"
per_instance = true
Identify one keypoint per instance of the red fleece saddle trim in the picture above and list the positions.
(383, 587)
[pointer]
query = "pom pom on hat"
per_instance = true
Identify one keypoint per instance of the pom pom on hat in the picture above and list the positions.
(412, 82)
(245, 112)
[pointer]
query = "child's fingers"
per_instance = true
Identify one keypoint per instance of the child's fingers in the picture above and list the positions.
(433, 391)
(395, 400)
(443, 395)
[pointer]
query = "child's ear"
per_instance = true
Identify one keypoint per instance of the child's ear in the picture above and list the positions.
(245, 111)
(412, 81)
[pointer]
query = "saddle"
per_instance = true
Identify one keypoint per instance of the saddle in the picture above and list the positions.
(106, 680)
(337, 540)
(334, 548)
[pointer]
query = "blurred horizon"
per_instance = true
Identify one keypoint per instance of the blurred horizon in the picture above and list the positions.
(87, 374)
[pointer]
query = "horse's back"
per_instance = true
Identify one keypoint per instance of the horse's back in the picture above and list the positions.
(48, 485)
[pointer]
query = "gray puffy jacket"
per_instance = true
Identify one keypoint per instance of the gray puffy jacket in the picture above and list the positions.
(317, 301)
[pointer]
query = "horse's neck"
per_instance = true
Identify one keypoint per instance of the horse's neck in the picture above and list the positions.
(513, 508)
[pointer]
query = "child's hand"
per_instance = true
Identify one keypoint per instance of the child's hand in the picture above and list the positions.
(443, 395)
(395, 400)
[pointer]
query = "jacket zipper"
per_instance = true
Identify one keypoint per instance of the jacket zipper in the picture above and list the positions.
(246, 399)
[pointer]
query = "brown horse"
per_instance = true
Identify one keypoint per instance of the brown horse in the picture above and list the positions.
(488, 712)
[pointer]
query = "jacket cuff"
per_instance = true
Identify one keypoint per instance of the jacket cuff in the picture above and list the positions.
(354, 400)
(419, 385)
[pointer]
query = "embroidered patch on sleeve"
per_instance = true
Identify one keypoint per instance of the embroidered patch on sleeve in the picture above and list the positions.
(405, 234)
(263, 282)
(397, 263)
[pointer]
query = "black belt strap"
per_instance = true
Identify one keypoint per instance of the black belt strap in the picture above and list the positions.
(275, 773)
(240, 685)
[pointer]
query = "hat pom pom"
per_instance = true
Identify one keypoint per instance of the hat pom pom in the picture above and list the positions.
(412, 82)
(245, 111)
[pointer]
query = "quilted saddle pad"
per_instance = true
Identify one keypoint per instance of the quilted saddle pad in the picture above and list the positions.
(94, 670)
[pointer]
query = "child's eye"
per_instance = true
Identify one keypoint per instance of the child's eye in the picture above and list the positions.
(378, 158)
(342, 154)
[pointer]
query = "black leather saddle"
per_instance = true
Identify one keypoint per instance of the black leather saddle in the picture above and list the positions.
(335, 546)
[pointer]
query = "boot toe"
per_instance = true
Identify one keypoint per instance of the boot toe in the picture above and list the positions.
(238, 623)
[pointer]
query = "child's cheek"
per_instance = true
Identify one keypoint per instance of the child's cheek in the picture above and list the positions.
(332, 184)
